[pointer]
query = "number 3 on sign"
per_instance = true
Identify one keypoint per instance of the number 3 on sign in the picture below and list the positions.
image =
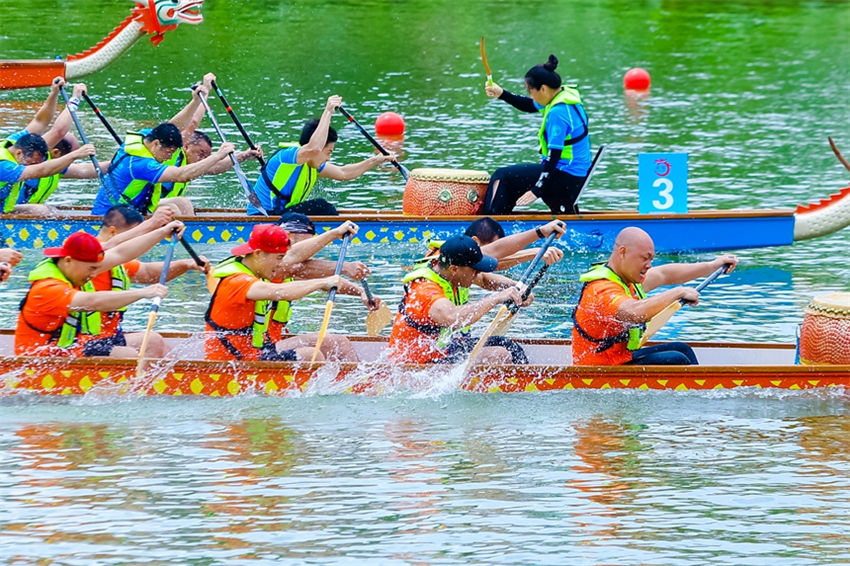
(662, 182)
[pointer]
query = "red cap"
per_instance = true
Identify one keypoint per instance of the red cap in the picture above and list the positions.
(269, 238)
(80, 246)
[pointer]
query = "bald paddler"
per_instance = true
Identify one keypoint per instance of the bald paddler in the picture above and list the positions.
(435, 313)
(613, 307)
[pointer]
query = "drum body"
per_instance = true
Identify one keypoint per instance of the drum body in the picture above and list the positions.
(445, 192)
(825, 334)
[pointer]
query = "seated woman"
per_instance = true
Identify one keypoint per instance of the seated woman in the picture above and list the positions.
(564, 144)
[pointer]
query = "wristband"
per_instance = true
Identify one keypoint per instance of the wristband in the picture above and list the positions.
(74, 102)
(539, 232)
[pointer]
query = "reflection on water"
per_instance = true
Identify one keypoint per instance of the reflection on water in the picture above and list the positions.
(610, 477)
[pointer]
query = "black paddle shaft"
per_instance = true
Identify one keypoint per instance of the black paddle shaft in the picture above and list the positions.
(103, 119)
(714, 275)
(237, 122)
(85, 140)
(401, 168)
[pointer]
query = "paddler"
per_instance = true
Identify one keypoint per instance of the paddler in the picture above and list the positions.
(435, 313)
(122, 223)
(26, 168)
(61, 313)
(142, 165)
(240, 308)
(305, 244)
(564, 145)
(291, 172)
(509, 250)
(613, 306)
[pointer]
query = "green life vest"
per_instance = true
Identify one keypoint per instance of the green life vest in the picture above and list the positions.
(9, 192)
(282, 310)
(260, 325)
(570, 96)
(306, 177)
(175, 189)
(633, 333)
(140, 194)
(457, 295)
(76, 322)
(37, 191)
(120, 281)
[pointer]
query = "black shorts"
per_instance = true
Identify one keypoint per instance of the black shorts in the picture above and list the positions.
(103, 346)
(459, 348)
(272, 355)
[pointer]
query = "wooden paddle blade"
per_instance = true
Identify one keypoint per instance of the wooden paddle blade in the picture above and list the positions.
(323, 330)
(503, 311)
(501, 328)
(377, 320)
(656, 322)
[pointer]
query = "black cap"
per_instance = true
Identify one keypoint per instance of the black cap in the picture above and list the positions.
(463, 251)
(296, 223)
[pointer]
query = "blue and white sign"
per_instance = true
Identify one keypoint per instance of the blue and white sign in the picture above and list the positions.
(662, 182)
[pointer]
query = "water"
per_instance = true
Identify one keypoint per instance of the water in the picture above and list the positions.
(749, 89)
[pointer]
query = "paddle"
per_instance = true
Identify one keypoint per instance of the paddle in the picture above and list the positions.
(85, 140)
(838, 153)
(402, 169)
(103, 119)
(243, 181)
(486, 65)
(503, 311)
(656, 322)
(378, 319)
(331, 296)
(155, 305)
(506, 322)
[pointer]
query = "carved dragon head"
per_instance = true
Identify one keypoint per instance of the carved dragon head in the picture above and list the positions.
(160, 16)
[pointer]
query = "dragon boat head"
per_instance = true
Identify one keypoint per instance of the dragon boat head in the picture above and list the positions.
(160, 16)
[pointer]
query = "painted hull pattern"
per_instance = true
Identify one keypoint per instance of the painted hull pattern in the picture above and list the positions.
(59, 376)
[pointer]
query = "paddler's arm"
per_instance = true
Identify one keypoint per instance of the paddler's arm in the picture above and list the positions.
(639, 311)
(679, 273)
(64, 121)
(131, 249)
(226, 164)
(313, 268)
(496, 282)
(445, 313)
(312, 149)
(85, 170)
(183, 119)
(186, 173)
(291, 291)
(105, 301)
(149, 272)
(504, 247)
(53, 166)
(302, 251)
(44, 115)
(161, 216)
(354, 170)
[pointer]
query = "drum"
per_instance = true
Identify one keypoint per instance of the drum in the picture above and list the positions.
(825, 334)
(445, 192)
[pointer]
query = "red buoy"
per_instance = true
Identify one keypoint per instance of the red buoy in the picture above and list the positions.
(636, 79)
(389, 124)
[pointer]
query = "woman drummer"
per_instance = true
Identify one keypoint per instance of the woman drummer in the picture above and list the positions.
(564, 143)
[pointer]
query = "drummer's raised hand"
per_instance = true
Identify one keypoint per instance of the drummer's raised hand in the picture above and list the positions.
(726, 259)
(493, 90)
(334, 102)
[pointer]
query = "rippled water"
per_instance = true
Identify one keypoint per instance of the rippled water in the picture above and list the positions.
(749, 89)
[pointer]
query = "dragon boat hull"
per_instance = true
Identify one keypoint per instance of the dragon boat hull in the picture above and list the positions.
(697, 231)
(724, 366)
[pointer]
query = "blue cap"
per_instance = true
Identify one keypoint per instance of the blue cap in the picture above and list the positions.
(463, 251)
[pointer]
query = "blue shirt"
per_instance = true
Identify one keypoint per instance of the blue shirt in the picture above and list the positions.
(287, 155)
(10, 171)
(564, 120)
(124, 170)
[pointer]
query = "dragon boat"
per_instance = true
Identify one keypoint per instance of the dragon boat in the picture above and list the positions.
(148, 17)
(724, 366)
(696, 231)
